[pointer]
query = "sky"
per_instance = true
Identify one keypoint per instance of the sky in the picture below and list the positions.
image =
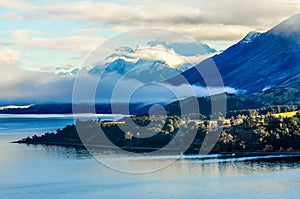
(38, 38)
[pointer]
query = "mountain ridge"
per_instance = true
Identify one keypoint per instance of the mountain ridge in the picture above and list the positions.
(270, 60)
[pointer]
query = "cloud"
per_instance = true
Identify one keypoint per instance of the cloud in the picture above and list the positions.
(21, 86)
(42, 53)
(28, 39)
(33, 40)
(217, 32)
(258, 13)
(160, 53)
(24, 87)
(116, 88)
(9, 56)
(172, 48)
(219, 22)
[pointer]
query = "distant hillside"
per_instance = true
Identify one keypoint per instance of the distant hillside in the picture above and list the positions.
(67, 109)
(261, 100)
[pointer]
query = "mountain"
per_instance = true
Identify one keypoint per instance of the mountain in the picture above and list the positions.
(143, 70)
(67, 108)
(155, 66)
(259, 61)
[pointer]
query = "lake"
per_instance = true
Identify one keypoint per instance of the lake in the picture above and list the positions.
(29, 171)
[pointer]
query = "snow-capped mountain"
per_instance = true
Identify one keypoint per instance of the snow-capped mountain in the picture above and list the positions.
(250, 37)
(143, 70)
(155, 62)
(259, 61)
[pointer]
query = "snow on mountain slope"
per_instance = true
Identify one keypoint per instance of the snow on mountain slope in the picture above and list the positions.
(156, 61)
(250, 37)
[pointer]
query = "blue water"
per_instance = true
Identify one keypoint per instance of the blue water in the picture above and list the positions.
(38, 124)
(58, 172)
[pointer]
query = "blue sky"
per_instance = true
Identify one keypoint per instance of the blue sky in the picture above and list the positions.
(40, 36)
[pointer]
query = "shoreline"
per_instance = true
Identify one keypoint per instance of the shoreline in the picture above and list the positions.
(211, 155)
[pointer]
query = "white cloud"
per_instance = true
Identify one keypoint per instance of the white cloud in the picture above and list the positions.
(9, 56)
(217, 32)
(21, 86)
(222, 19)
(232, 12)
(119, 89)
(219, 22)
(28, 39)
(160, 53)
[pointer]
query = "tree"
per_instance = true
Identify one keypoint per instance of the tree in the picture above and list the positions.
(170, 128)
(128, 135)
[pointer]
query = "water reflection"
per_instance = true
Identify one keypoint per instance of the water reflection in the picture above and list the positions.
(214, 167)
(60, 152)
(60, 172)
